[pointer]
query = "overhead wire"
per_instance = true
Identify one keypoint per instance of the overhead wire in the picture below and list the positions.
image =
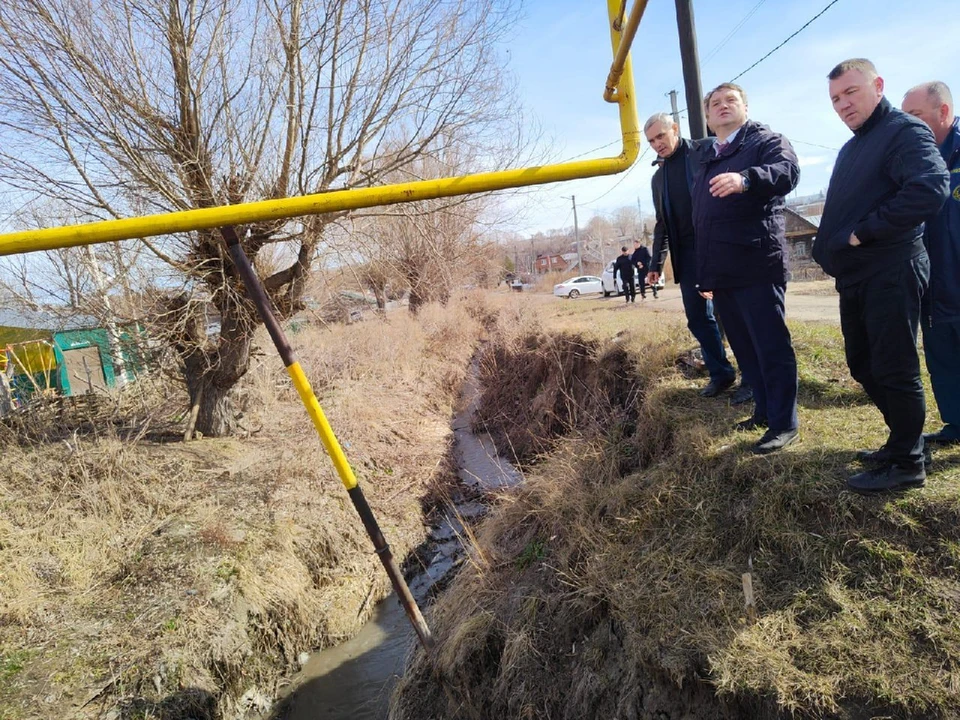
(791, 37)
(596, 149)
(817, 145)
(622, 178)
(729, 36)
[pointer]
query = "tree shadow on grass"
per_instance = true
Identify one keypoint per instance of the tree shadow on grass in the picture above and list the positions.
(187, 704)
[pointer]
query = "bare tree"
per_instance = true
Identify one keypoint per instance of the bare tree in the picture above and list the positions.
(123, 107)
(430, 246)
(626, 222)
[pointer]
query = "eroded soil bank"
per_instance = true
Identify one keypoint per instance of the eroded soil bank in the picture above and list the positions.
(610, 584)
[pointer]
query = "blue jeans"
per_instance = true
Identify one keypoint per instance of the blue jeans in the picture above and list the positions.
(754, 319)
(941, 346)
(703, 326)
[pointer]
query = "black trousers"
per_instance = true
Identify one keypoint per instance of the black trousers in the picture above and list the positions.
(879, 317)
(629, 288)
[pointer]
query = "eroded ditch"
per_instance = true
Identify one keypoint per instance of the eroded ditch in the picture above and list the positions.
(355, 679)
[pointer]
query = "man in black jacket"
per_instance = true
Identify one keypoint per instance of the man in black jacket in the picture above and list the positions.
(672, 182)
(624, 267)
(888, 179)
(738, 201)
(641, 261)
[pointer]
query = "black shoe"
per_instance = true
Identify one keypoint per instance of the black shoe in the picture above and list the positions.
(888, 478)
(773, 441)
(715, 387)
(742, 394)
(882, 457)
(947, 435)
(751, 423)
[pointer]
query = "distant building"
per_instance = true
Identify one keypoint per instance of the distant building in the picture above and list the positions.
(548, 263)
(802, 217)
(40, 352)
(808, 206)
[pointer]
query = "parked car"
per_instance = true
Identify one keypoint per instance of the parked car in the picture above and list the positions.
(574, 287)
(611, 284)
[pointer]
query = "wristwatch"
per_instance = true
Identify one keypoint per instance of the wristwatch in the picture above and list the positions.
(746, 180)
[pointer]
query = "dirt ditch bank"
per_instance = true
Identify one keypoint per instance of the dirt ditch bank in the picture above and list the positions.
(610, 585)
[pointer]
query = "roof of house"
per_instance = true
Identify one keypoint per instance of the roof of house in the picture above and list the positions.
(798, 224)
(41, 320)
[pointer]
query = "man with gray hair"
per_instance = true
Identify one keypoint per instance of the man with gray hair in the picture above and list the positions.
(887, 181)
(678, 161)
(940, 311)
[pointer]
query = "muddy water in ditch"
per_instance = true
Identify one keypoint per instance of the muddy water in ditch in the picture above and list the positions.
(354, 680)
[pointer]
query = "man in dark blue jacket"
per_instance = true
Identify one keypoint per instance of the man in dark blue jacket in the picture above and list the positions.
(679, 161)
(887, 180)
(738, 201)
(940, 311)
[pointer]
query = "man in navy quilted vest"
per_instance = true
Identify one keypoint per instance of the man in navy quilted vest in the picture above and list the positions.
(738, 215)
(932, 102)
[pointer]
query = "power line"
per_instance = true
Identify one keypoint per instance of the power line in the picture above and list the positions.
(728, 36)
(800, 30)
(733, 32)
(591, 152)
(817, 145)
(617, 184)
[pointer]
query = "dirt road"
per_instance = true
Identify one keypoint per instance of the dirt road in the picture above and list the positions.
(809, 301)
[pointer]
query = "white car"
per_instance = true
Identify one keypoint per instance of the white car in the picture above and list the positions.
(574, 287)
(611, 284)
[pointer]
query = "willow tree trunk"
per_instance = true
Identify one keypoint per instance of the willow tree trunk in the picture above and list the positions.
(212, 373)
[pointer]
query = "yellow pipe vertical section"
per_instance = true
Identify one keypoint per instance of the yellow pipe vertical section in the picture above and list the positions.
(327, 436)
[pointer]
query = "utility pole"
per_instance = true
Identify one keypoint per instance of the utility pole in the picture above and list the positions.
(673, 108)
(643, 226)
(576, 234)
(691, 69)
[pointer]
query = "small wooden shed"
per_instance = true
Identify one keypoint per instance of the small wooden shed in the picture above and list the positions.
(42, 352)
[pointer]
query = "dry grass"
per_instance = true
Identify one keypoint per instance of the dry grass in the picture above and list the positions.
(612, 586)
(182, 580)
(544, 283)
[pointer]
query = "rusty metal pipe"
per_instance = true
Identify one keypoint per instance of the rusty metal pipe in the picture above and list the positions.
(258, 294)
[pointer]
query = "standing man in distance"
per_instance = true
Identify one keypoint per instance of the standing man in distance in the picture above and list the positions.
(624, 267)
(887, 180)
(641, 261)
(738, 202)
(940, 310)
(678, 161)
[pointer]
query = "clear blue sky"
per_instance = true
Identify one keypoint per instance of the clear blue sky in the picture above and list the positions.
(561, 55)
